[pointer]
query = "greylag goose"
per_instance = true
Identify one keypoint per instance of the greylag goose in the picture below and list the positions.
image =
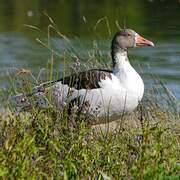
(102, 93)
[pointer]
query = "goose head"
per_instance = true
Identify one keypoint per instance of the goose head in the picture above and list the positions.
(128, 38)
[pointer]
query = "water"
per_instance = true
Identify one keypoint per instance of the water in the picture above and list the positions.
(157, 20)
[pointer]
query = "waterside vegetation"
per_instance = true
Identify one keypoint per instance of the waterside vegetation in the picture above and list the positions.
(40, 143)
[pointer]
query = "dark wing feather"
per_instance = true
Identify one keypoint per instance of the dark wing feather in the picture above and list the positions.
(86, 80)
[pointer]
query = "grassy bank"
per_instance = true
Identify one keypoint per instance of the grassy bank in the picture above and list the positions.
(40, 144)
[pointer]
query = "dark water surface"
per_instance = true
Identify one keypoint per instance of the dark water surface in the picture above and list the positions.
(157, 20)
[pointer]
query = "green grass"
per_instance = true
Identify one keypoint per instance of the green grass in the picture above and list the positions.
(41, 144)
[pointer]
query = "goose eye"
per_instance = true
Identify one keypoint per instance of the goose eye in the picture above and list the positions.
(23, 99)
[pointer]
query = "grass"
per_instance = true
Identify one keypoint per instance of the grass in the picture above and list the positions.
(40, 144)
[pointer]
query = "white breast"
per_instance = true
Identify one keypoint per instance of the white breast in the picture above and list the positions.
(123, 92)
(114, 97)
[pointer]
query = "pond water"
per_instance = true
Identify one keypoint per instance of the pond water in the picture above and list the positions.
(157, 20)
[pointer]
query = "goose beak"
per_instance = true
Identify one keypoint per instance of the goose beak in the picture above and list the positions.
(140, 41)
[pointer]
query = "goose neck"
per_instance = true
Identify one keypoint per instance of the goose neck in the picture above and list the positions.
(120, 60)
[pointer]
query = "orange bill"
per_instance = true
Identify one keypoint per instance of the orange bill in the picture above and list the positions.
(140, 41)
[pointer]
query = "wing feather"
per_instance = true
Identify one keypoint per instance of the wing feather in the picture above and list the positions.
(83, 80)
(87, 79)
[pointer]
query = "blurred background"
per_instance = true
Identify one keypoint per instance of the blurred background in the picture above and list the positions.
(79, 20)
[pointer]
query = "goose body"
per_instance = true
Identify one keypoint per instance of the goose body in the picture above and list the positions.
(118, 91)
(102, 93)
